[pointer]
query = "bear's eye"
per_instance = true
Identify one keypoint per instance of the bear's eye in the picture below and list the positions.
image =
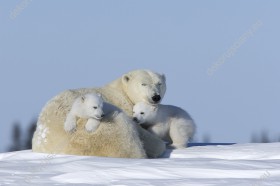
(141, 113)
(144, 84)
(95, 107)
(159, 84)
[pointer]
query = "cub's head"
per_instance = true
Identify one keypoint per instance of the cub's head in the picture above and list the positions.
(144, 86)
(92, 105)
(144, 113)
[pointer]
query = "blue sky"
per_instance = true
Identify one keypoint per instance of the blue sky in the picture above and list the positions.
(50, 46)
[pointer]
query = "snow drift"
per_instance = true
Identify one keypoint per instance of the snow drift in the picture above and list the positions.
(224, 165)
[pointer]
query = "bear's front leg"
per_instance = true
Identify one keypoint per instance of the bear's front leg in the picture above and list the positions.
(70, 123)
(92, 125)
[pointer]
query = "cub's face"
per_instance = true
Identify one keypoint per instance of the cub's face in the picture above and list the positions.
(93, 105)
(144, 113)
(144, 86)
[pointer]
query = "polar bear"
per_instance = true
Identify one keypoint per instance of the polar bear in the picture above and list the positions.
(117, 134)
(88, 106)
(168, 122)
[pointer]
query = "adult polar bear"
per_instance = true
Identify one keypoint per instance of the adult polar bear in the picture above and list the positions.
(117, 135)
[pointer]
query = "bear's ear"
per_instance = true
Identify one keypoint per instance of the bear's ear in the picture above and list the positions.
(163, 77)
(126, 78)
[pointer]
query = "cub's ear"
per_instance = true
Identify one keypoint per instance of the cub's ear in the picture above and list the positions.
(100, 95)
(126, 78)
(163, 77)
(83, 98)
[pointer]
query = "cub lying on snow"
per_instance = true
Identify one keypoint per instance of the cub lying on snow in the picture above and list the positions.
(168, 122)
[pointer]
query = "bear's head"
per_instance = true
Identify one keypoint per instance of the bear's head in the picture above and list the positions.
(92, 105)
(144, 113)
(144, 86)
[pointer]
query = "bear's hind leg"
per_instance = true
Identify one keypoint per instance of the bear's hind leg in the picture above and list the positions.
(180, 133)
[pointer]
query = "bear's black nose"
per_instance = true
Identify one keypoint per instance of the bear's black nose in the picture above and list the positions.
(135, 119)
(156, 98)
(102, 115)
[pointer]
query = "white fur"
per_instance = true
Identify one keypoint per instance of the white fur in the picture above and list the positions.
(116, 136)
(168, 122)
(88, 106)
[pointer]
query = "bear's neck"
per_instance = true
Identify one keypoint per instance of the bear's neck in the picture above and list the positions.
(118, 86)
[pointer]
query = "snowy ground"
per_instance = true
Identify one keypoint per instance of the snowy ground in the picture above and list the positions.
(240, 164)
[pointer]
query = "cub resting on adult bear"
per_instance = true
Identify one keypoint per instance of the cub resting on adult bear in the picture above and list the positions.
(117, 135)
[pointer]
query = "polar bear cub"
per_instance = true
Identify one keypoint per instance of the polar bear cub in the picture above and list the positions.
(170, 123)
(88, 106)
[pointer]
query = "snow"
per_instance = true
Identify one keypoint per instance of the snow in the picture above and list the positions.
(222, 165)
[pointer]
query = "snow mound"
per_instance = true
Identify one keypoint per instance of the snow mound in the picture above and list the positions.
(224, 165)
